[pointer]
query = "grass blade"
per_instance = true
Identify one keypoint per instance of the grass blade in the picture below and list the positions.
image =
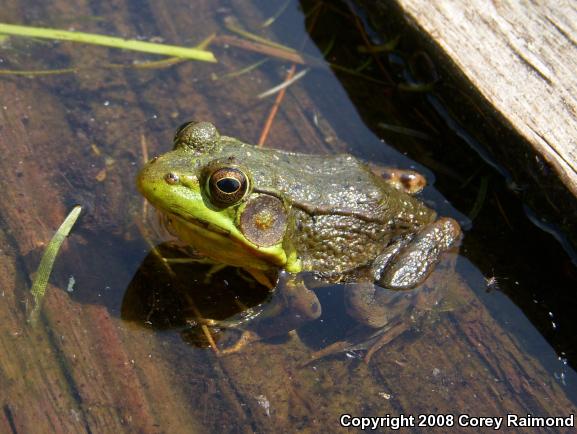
(108, 41)
(47, 262)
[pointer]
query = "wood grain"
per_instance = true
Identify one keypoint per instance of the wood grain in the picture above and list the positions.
(522, 57)
(87, 370)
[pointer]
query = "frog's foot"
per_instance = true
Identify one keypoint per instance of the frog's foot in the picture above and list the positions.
(408, 262)
(408, 181)
(293, 305)
(393, 331)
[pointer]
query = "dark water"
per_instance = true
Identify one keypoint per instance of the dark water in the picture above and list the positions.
(519, 259)
(521, 273)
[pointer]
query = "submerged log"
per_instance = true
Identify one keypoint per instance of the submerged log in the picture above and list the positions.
(84, 369)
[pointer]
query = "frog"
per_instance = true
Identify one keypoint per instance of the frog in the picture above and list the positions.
(279, 215)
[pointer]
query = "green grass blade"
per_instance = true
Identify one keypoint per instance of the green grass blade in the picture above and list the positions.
(108, 41)
(47, 262)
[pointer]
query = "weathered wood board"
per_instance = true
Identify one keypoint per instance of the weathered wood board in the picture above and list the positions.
(83, 369)
(520, 58)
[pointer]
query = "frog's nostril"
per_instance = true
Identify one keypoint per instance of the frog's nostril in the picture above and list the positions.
(171, 178)
(153, 160)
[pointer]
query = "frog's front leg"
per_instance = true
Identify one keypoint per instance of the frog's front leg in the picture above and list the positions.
(292, 305)
(404, 264)
(366, 303)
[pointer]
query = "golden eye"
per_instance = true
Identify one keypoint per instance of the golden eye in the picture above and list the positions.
(227, 186)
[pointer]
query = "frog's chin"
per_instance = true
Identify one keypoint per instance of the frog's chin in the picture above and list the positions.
(222, 246)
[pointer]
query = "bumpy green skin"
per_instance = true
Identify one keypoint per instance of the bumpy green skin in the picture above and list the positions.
(341, 216)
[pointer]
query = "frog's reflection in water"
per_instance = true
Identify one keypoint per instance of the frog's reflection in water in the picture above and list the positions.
(180, 297)
(177, 295)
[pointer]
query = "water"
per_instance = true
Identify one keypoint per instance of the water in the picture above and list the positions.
(117, 350)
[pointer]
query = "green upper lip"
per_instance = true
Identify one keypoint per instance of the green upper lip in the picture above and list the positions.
(205, 224)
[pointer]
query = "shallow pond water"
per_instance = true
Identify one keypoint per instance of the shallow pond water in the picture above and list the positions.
(117, 348)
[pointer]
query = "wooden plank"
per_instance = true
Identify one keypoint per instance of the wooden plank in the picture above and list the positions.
(522, 58)
(82, 370)
(515, 65)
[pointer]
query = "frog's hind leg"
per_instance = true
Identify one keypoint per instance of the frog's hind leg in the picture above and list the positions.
(403, 265)
(413, 262)
(408, 181)
(291, 306)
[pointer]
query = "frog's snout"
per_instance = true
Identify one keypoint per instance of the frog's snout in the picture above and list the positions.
(147, 178)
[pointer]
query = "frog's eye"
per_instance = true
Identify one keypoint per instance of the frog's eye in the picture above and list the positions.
(182, 127)
(227, 186)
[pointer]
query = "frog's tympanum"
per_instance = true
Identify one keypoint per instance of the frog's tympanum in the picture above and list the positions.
(267, 210)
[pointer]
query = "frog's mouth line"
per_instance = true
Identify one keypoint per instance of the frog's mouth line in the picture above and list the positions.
(224, 243)
(210, 227)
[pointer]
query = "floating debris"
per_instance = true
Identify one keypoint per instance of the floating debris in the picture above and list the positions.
(232, 25)
(480, 200)
(264, 403)
(383, 48)
(71, 283)
(274, 17)
(416, 87)
(242, 71)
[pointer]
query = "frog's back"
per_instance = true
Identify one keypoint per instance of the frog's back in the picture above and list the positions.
(343, 214)
(329, 184)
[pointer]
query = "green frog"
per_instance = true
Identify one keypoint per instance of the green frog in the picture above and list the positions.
(267, 210)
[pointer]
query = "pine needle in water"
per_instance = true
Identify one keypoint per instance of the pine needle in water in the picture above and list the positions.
(47, 262)
(480, 200)
(242, 71)
(283, 85)
(277, 14)
(403, 130)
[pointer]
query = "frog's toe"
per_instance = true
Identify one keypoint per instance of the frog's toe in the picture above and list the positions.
(245, 338)
(364, 304)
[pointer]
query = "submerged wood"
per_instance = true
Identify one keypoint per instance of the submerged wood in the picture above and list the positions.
(87, 370)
